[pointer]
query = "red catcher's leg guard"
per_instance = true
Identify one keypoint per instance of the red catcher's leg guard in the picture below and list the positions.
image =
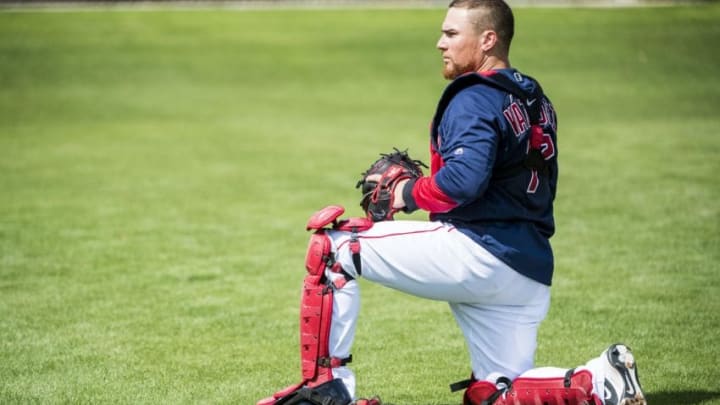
(573, 389)
(316, 313)
(315, 318)
(316, 305)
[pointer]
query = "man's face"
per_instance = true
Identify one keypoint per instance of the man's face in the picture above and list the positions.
(459, 43)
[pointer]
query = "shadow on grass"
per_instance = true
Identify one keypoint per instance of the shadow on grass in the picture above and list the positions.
(681, 398)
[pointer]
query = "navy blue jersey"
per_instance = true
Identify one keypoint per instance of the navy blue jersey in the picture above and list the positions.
(478, 181)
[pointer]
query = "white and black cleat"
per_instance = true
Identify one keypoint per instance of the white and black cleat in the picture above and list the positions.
(622, 386)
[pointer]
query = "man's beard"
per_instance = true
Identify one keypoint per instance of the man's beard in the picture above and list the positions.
(452, 71)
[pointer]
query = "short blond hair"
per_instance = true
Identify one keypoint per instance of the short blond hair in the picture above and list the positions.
(497, 16)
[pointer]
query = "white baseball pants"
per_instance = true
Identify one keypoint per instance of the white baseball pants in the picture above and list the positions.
(498, 309)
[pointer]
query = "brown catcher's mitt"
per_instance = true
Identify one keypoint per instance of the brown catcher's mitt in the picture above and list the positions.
(378, 192)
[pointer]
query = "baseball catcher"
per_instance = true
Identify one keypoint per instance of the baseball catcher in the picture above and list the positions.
(485, 248)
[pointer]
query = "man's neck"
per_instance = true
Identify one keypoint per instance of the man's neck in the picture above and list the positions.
(493, 63)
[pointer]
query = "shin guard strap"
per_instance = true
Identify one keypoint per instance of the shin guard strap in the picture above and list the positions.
(333, 362)
(461, 385)
(355, 250)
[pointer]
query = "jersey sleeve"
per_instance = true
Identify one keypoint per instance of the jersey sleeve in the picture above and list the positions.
(467, 147)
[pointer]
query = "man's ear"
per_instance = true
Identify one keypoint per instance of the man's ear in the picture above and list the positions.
(488, 39)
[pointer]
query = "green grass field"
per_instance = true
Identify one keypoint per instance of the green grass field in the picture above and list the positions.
(157, 169)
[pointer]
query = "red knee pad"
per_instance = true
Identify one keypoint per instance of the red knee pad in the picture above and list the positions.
(317, 299)
(318, 254)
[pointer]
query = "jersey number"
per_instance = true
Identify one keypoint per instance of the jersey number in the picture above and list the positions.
(547, 149)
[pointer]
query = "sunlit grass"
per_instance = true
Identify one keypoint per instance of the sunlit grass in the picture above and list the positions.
(157, 170)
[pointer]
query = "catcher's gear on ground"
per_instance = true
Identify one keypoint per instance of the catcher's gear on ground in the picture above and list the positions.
(332, 392)
(319, 385)
(379, 182)
(575, 388)
(612, 377)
